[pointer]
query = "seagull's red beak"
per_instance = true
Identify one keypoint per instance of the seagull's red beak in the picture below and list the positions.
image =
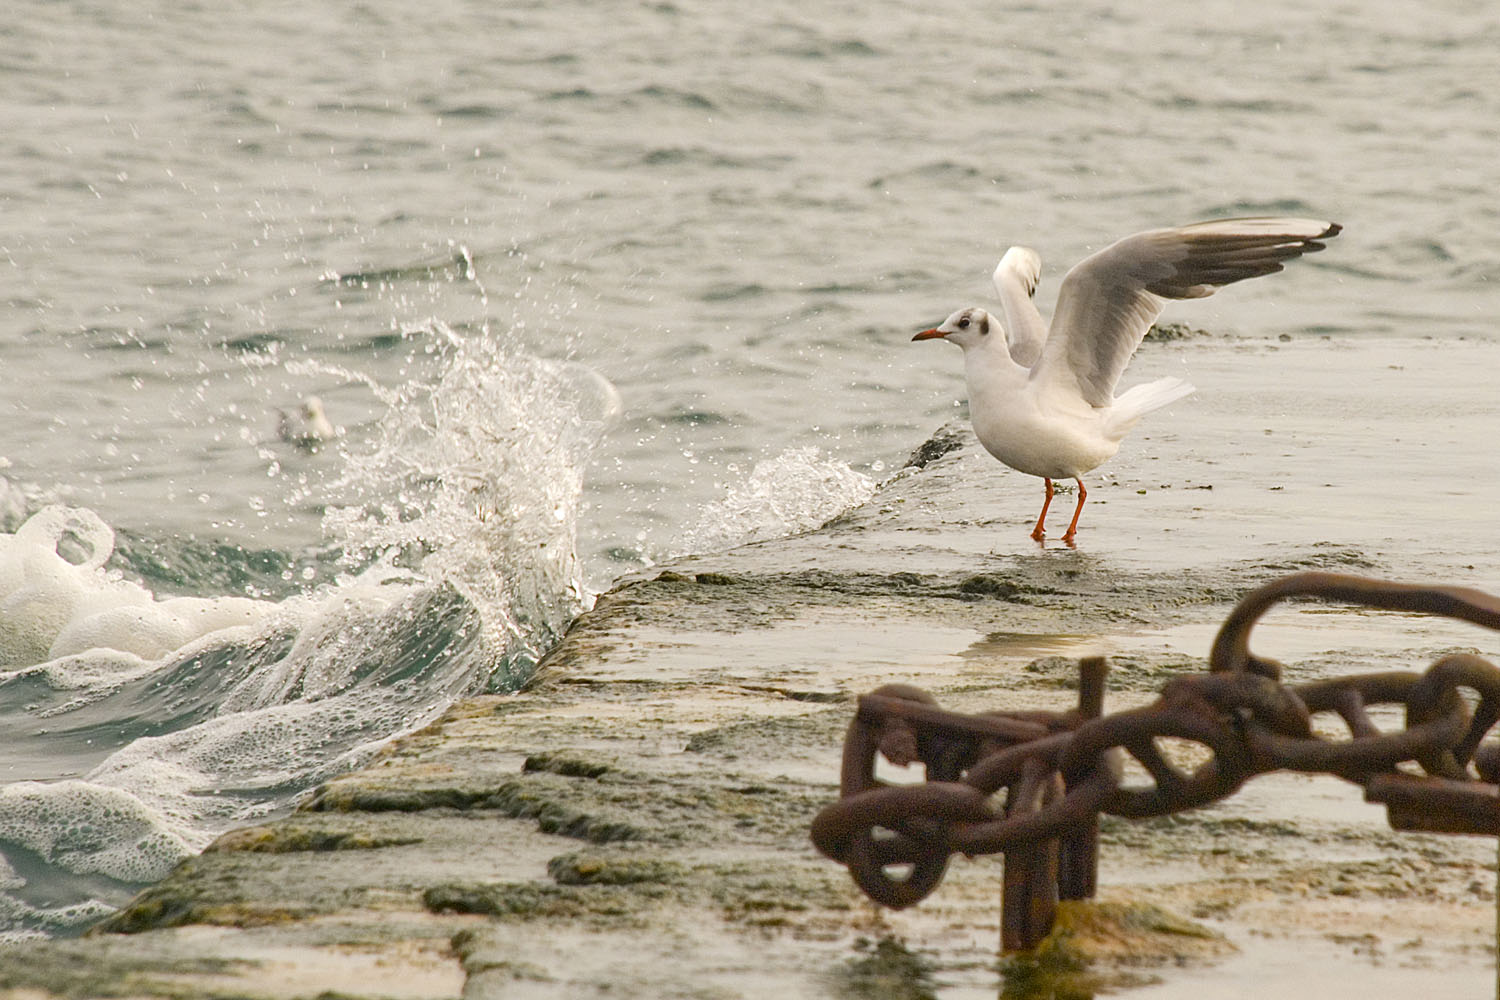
(928, 335)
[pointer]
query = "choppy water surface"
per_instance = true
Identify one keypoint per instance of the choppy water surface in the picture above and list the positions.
(580, 286)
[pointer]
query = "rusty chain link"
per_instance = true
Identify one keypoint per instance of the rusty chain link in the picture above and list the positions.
(1060, 770)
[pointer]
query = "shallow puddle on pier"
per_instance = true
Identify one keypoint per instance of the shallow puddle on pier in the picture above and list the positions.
(1290, 634)
(1344, 968)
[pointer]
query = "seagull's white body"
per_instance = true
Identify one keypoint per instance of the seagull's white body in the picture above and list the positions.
(1042, 399)
(1045, 429)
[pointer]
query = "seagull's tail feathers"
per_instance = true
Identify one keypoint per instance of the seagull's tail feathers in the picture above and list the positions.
(1139, 400)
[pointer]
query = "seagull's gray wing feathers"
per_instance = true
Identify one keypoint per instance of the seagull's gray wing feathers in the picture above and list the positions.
(1109, 300)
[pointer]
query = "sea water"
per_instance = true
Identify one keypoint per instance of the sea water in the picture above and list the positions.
(579, 287)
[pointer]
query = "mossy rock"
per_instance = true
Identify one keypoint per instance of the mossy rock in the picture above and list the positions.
(564, 763)
(162, 906)
(281, 838)
(1101, 947)
(612, 904)
(592, 869)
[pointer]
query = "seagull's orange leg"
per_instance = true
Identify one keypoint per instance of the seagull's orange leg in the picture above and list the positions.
(1039, 531)
(1083, 495)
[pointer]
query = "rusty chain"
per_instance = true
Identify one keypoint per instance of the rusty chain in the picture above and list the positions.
(1060, 770)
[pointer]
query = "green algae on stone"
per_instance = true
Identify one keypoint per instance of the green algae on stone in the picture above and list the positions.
(521, 801)
(208, 889)
(107, 967)
(470, 945)
(593, 869)
(162, 906)
(1101, 946)
(536, 901)
(564, 763)
(359, 796)
(992, 585)
(889, 971)
(1164, 332)
(616, 888)
(526, 798)
(285, 838)
(715, 579)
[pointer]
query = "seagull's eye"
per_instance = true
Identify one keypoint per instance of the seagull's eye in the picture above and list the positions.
(963, 324)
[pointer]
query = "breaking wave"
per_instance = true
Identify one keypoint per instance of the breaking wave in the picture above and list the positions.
(169, 719)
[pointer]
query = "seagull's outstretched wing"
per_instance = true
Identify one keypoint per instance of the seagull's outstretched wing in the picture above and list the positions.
(1110, 299)
(1015, 282)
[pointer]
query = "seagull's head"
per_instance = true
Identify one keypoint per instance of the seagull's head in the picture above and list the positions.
(967, 328)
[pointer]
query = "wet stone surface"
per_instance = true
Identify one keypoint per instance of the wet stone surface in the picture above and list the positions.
(634, 824)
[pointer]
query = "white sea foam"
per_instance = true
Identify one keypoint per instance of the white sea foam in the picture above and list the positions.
(82, 828)
(53, 606)
(796, 491)
(235, 768)
(8, 877)
(20, 921)
(90, 829)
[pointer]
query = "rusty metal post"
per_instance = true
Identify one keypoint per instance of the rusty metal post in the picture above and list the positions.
(1028, 893)
(1078, 850)
(1028, 899)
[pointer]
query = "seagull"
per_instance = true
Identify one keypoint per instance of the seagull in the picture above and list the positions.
(1042, 399)
(308, 428)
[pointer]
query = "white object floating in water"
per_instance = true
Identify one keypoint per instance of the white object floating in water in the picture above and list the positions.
(308, 427)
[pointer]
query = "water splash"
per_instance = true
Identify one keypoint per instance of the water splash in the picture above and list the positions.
(796, 491)
(473, 481)
(453, 527)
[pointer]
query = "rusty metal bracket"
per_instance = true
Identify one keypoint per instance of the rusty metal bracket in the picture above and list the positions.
(1031, 785)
